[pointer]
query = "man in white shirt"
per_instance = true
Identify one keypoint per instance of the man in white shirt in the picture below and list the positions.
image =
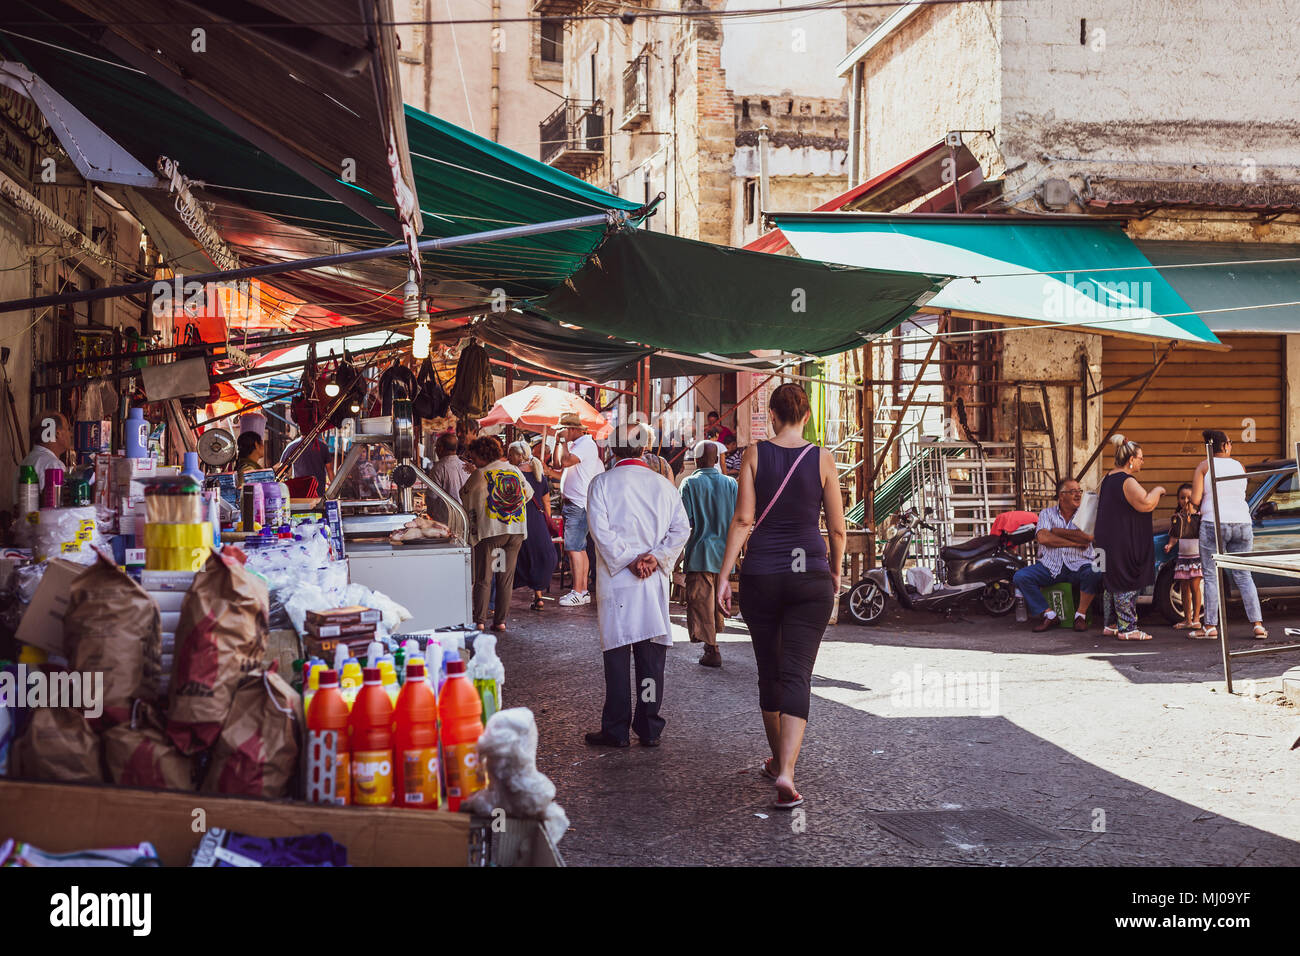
(51, 436)
(577, 453)
(640, 526)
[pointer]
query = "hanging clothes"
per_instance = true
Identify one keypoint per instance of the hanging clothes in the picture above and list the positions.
(472, 395)
(431, 399)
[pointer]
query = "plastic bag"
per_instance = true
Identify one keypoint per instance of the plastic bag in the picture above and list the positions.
(1085, 519)
(71, 533)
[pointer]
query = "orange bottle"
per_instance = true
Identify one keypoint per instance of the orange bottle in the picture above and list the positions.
(371, 724)
(329, 712)
(415, 743)
(460, 709)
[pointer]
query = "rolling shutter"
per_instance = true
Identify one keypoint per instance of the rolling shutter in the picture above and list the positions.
(1232, 391)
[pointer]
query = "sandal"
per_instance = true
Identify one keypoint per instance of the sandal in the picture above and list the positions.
(536, 605)
(787, 799)
(1261, 632)
(1109, 631)
(1133, 635)
(499, 627)
(1185, 626)
(766, 769)
(1204, 634)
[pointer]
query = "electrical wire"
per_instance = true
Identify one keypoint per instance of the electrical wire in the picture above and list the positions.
(635, 13)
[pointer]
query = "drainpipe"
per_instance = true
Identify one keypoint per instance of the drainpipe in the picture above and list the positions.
(855, 123)
(762, 170)
(496, 75)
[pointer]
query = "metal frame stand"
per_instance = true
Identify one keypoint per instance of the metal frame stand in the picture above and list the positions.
(1220, 556)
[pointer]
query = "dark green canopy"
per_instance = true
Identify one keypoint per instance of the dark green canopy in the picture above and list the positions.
(696, 297)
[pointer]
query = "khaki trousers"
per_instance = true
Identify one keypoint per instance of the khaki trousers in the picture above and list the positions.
(703, 617)
(485, 556)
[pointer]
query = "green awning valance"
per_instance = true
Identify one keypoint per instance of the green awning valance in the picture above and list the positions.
(1088, 275)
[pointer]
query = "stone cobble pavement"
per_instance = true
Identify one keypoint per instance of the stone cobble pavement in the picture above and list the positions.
(1132, 752)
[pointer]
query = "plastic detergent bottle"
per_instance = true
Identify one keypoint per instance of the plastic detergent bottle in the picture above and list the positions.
(399, 665)
(371, 728)
(415, 743)
(340, 657)
(136, 434)
(388, 678)
(374, 650)
(459, 708)
(329, 712)
(29, 491)
(488, 674)
(311, 671)
(350, 680)
(450, 652)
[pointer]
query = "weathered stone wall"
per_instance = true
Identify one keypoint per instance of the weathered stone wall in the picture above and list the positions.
(938, 72)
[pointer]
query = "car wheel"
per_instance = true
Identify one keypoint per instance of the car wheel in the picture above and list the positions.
(998, 598)
(866, 602)
(1168, 596)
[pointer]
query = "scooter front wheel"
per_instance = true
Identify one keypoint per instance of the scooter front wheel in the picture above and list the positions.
(866, 602)
(998, 598)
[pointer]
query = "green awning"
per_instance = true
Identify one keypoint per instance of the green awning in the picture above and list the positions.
(689, 296)
(1210, 287)
(465, 183)
(1097, 281)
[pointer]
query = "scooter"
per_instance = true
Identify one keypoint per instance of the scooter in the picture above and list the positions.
(978, 569)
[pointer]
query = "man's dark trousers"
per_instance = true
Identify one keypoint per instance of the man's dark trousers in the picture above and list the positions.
(618, 714)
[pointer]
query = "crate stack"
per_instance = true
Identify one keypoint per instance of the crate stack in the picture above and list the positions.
(354, 627)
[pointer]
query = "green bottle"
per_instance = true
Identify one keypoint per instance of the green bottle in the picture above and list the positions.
(29, 491)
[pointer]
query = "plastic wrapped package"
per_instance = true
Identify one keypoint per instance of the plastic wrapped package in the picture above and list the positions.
(71, 533)
(508, 745)
(394, 613)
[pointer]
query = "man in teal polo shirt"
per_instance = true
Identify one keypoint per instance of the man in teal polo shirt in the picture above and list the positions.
(710, 500)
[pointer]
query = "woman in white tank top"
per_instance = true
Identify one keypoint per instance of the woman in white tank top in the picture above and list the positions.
(1236, 532)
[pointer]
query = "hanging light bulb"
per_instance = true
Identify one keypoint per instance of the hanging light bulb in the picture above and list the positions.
(332, 388)
(414, 310)
(421, 340)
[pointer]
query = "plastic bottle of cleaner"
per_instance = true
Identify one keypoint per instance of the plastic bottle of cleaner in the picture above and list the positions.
(459, 708)
(371, 726)
(415, 743)
(488, 674)
(29, 491)
(374, 650)
(450, 652)
(388, 678)
(329, 712)
(350, 680)
(311, 671)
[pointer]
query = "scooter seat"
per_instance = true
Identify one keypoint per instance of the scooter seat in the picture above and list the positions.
(970, 549)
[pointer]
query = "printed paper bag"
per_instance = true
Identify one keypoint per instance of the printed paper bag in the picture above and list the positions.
(220, 639)
(257, 752)
(112, 626)
(59, 745)
(139, 754)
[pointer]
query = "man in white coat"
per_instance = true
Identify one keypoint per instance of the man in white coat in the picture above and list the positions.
(639, 526)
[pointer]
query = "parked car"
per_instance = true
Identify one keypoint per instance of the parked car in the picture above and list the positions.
(1275, 509)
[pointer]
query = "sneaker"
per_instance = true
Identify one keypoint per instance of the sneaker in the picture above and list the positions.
(574, 599)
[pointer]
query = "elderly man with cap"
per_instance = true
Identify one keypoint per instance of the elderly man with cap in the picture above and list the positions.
(577, 453)
(709, 497)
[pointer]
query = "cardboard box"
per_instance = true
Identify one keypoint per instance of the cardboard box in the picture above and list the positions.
(168, 600)
(322, 631)
(318, 647)
(63, 817)
(42, 623)
(356, 614)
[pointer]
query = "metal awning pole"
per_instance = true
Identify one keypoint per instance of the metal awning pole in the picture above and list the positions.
(610, 218)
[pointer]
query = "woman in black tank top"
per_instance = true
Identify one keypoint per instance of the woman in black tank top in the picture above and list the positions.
(789, 583)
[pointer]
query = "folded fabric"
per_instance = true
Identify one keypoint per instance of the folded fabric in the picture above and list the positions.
(14, 853)
(226, 848)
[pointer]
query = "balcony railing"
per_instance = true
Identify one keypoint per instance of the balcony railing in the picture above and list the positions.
(636, 91)
(573, 137)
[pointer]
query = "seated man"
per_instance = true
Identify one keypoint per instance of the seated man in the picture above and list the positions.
(1065, 554)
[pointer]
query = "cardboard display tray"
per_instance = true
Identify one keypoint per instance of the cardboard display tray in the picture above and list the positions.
(64, 817)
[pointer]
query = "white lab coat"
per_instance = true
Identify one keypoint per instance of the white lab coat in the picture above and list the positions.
(631, 511)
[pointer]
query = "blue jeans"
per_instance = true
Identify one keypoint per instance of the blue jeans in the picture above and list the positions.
(575, 527)
(1031, 581)
(1236, 538)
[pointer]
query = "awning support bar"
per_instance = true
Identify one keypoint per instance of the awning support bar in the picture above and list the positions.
(318, 262)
